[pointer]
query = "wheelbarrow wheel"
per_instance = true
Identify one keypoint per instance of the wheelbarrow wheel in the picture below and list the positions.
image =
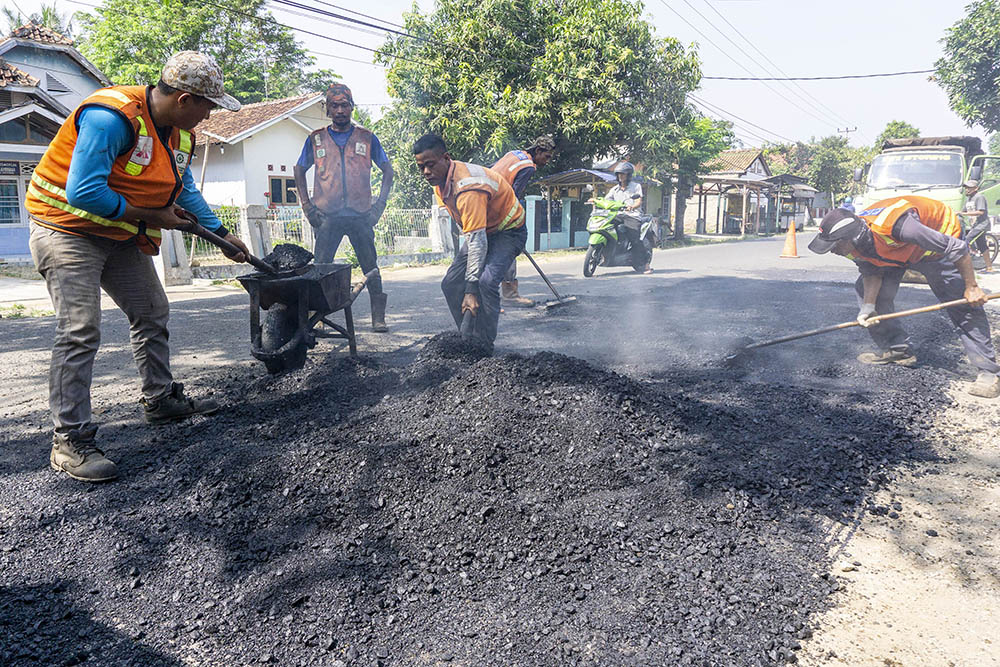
(279, 326)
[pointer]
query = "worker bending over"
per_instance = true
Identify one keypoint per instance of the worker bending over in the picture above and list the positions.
(492, 221)
(922, 234)
(517, 168)
(117, 172)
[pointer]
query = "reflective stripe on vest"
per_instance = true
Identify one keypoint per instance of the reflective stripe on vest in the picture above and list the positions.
(512, 218)
(41, 183)
(142, 154)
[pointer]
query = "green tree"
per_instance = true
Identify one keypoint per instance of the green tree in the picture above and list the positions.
(488, 76)
(131, 39)
(49, 16)
(830, 167)
(993, 144)
(896, 129)
(967, 71)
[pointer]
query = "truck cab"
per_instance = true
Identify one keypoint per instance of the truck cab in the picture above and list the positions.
(932, 167)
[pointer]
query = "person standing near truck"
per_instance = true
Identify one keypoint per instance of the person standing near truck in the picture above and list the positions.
(517, 168)
(117, 173)
(977, 209)
(341, 203)
(924, 235)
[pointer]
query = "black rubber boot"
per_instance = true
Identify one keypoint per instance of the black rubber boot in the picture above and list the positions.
(378, 311)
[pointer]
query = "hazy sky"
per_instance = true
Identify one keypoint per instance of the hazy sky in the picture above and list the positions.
(801, 38)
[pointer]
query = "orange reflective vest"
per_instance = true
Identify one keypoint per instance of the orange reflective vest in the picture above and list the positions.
(343, 175)
(883, 215)
(503, 210)
(512, 164)
(148, 175)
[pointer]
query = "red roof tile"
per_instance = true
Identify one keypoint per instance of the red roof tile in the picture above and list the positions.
(12, 76)
(40, 33)
(734, 161)
(229, 124)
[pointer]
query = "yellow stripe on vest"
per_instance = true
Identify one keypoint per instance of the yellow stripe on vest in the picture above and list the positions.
(111, 92)
(38, 181)
(887, 211)
(512, 218)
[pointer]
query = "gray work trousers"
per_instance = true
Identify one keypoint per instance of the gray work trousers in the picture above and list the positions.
(75, 269)
(947, 284)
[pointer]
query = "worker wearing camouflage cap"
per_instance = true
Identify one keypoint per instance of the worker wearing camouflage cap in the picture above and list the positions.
(341, 201)
(116, 174)
(517, 168)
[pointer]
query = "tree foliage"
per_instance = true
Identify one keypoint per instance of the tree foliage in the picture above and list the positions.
(968, 69)
(830, 166)
(896, 129)
(48, 16)
(489, 76)
(131, 39)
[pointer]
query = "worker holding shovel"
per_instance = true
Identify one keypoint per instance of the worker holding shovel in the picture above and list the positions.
(921, 234)
(517, 168)
(492, 220)
(116, 174)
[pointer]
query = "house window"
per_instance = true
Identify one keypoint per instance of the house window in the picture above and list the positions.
(283, 191)
(14, 131)
(10, 202)
(27, 129)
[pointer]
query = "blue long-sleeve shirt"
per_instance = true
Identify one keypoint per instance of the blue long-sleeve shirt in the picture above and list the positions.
(102, 137)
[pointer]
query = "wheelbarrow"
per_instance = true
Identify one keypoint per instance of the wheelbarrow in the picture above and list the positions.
(296, 301)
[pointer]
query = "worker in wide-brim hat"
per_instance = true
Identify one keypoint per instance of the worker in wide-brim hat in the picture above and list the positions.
(924, 235)
(518, 167)
(116, 174)
(341, 201)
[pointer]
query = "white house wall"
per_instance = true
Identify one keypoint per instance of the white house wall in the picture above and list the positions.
(38, 62)
(266, 153)
(224, 185)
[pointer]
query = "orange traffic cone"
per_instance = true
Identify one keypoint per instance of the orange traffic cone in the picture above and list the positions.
(790, 251)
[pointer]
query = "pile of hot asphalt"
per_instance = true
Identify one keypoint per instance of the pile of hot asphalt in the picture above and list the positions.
(519, 510)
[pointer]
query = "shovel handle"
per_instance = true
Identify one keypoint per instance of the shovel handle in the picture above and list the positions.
(468, 324)
(874, 320)
(539, 269)
(364, 283)
(218, 241)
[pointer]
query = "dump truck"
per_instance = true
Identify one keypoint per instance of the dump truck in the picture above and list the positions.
(932, 167)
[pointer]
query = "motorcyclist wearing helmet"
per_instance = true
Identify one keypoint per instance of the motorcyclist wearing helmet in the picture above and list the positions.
(630, 192)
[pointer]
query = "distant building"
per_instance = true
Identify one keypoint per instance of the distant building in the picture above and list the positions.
(731, 192)
(42, 79)
(248, 156)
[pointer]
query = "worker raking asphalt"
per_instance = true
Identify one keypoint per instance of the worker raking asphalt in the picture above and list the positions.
(511, 510)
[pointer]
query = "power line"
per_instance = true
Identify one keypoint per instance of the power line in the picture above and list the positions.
(744, 120)
(817, 78)
(833, 113)
(357, 13)
(738, 63)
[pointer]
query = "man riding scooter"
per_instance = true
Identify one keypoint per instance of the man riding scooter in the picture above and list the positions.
(630, 192)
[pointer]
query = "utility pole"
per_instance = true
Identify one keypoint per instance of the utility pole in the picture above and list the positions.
(847, 131)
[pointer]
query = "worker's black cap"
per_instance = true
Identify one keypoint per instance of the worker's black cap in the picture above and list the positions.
(837, 225)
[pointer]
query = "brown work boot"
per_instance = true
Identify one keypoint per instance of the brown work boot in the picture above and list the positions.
(175, 406)
(378, 311)
(510, 297)
(899, 357)
(76, 455)
(987, 385)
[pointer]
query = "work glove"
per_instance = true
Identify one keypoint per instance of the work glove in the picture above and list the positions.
(312, 214)
(375, 214)
(867, 311)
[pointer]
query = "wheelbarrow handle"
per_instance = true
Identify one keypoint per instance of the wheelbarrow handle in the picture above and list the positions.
(216, 240)
(364, 282)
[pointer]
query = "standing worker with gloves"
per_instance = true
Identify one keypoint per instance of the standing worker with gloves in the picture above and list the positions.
(341, 203)
(630, 192)
(517, 168)
(921, 234)
(492, 220)
(116, 174)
